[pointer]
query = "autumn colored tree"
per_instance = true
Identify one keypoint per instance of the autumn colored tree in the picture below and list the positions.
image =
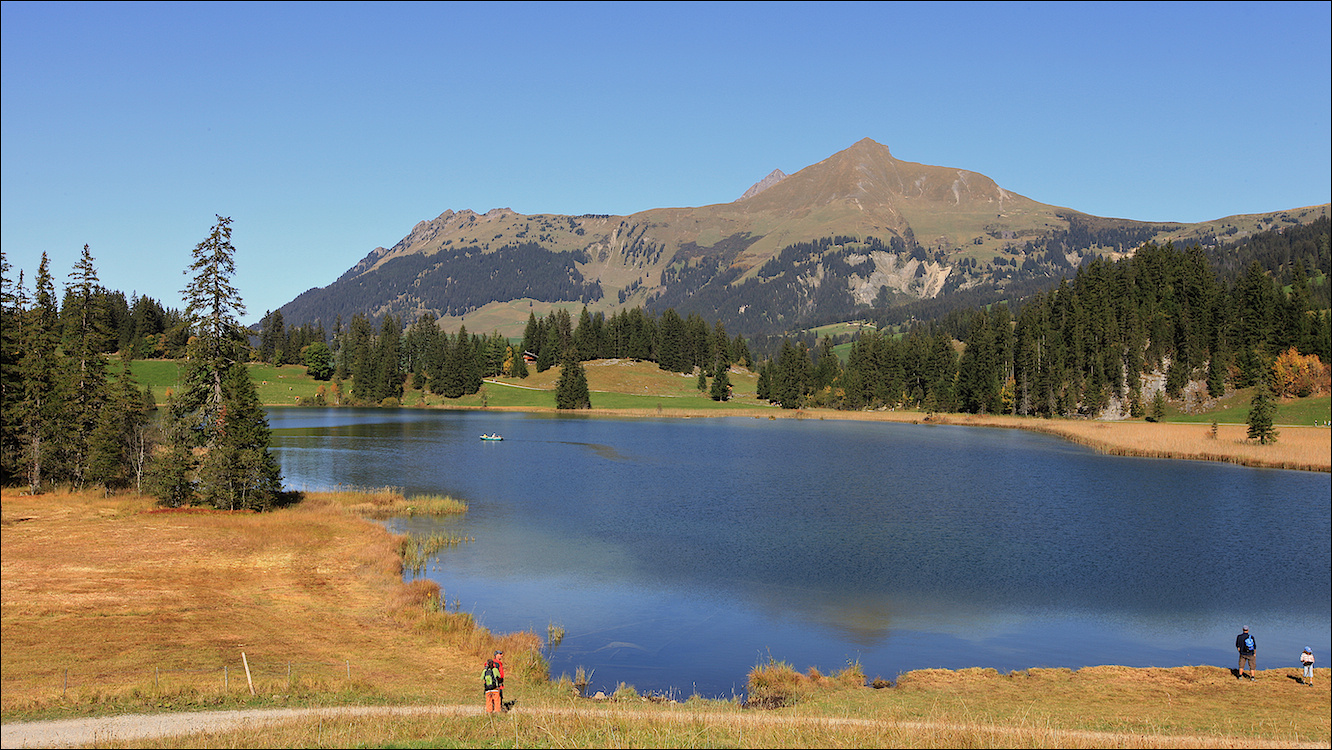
(1297, 375)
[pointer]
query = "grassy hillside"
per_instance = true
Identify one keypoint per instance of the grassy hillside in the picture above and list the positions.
(643, 387)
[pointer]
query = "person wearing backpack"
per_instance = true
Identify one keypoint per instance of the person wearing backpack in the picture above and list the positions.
(491, 682)
(1248, 653)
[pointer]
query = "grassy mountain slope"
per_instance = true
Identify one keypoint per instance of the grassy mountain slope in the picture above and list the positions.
(913, 230)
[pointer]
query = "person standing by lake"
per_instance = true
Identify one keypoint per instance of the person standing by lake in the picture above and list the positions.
(490, 681)
(498, 658)
(1307, 661)
(1248, 652)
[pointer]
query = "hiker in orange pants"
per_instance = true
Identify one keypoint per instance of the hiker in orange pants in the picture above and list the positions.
(490, 681)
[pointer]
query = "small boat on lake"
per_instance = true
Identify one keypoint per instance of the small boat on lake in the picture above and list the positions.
(496, 436)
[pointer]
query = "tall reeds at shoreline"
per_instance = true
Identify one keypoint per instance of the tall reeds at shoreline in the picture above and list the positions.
(389, 502)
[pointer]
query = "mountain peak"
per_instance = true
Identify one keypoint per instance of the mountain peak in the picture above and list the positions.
(774, 177)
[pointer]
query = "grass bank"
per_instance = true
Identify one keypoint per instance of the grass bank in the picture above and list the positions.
(113, 606)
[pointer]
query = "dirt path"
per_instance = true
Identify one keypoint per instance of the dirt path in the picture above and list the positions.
(133, 727)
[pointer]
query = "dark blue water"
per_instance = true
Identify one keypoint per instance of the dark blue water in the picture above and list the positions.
(677, 554)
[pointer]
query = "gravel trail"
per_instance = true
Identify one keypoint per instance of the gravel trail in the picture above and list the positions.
(132, 727)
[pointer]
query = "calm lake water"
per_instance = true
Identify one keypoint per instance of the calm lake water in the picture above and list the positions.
(679, 553)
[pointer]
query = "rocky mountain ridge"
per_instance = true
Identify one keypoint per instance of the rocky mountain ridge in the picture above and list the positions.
(856, 230)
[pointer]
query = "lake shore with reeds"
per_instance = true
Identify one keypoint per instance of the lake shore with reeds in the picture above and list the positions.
(112, 606)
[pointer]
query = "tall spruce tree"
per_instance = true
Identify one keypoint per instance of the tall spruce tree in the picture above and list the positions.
(86, 387)
(1262, 414)
(39, 367)
(217, 409)
(571, 389)
(120, 439)
(11, 384)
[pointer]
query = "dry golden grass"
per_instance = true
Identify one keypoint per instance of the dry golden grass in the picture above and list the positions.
(132, 599)
(1302, 448)
(1185, 701)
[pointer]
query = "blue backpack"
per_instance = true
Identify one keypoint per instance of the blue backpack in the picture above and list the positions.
(1248, 643)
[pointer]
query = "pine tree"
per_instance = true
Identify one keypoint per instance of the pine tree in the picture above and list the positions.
(39, 367)
(386, 363)
(1262, 413)
(1158, 406)
(11, 384)
(217, 409)
(120, 434)
(550, 350)
(519, 369)
(238, 472)
(571, 389)
(86, 389)
(721, 385)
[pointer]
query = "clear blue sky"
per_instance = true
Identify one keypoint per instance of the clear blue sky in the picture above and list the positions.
(325, 130)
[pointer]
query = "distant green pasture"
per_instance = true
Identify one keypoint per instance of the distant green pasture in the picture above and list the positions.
(1315, 410)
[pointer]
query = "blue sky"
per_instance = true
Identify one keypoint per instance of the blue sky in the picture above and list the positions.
(325, 130)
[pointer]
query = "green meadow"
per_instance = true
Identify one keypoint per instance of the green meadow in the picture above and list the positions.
(636, 387)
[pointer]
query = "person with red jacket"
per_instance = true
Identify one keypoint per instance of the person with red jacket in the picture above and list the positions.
(499, 664)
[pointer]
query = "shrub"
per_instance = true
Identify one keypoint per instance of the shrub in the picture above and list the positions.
(774, 685)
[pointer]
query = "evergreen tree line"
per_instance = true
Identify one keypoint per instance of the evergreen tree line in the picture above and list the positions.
(67, 422)
(382, 363)
(278, 344)
(1071, 350)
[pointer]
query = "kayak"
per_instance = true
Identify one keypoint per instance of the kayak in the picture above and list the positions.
(492, 437)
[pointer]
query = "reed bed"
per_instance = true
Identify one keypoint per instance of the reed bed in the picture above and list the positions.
(390, 502)
(417, 551)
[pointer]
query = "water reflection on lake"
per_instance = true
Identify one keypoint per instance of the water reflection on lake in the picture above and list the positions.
(679, 553)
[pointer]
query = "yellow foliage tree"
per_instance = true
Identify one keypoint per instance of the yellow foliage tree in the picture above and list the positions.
(1295, 374)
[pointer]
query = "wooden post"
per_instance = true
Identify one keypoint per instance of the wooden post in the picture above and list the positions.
(288, 676)
(247, 672)
(65, 689)
(155, 679)
(349, 669)
(226, 679)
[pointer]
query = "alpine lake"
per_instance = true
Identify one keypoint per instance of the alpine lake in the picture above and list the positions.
(677, 554)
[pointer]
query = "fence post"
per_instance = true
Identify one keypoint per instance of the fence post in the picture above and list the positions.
(65, 689)
(247, 672)
(155, 678)
(349, 669)
(288, 676)
(226, 679)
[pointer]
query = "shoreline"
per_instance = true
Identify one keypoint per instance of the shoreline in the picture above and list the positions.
(1298, 448)
(290, 569)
